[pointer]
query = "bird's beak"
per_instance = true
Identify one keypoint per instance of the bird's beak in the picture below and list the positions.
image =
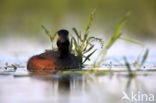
(63, 40)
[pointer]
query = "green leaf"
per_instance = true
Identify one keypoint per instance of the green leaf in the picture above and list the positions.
(136, 62)
(144, 57)
(111, 41)
(14, 66)
(88, 56)
(46, 30)
(90, 22)
(52, 39)
(75, 43)
(132, 41)
(76, 32)
(71, 45)
(127, 65)
(121, 24)
(86, 32)
(117, 32)
(90, 48)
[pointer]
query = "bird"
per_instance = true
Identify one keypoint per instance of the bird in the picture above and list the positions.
(51, 61)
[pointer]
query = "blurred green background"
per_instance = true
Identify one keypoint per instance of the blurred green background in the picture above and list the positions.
(24, 18)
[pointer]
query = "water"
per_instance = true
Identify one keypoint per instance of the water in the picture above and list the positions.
(19, 87)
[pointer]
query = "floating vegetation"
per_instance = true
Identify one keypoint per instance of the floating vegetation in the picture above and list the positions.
(10, 66)
(89, 71)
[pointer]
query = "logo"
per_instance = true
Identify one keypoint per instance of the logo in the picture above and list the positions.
(137, 97)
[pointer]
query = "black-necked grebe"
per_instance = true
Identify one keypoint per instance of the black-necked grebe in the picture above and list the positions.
(55, 60)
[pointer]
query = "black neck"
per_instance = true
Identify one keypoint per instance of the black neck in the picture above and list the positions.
(63, 48)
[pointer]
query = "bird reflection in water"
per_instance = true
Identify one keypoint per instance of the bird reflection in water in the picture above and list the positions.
(62, 86)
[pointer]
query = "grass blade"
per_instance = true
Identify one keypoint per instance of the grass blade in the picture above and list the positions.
(46, 30)
(52, 39)
(86, 32)
(144, 57)
(90, 22)
(90, 48)
(75, 43)
(136, 62)
(127, 65)
(71, 45)
(88, 56)
(121, 24)
(130, 72)
(77, 34)
(132, 41)
(117, 33)
(112, 40)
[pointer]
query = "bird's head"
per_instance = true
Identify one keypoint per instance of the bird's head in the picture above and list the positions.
(63, 36)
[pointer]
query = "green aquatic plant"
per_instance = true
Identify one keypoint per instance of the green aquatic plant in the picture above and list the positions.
(110, 42)
(84, 47)
(131, 73)
(10, 66)
(138, 64)
(117, 35)
(49, 34)
(140, 60)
